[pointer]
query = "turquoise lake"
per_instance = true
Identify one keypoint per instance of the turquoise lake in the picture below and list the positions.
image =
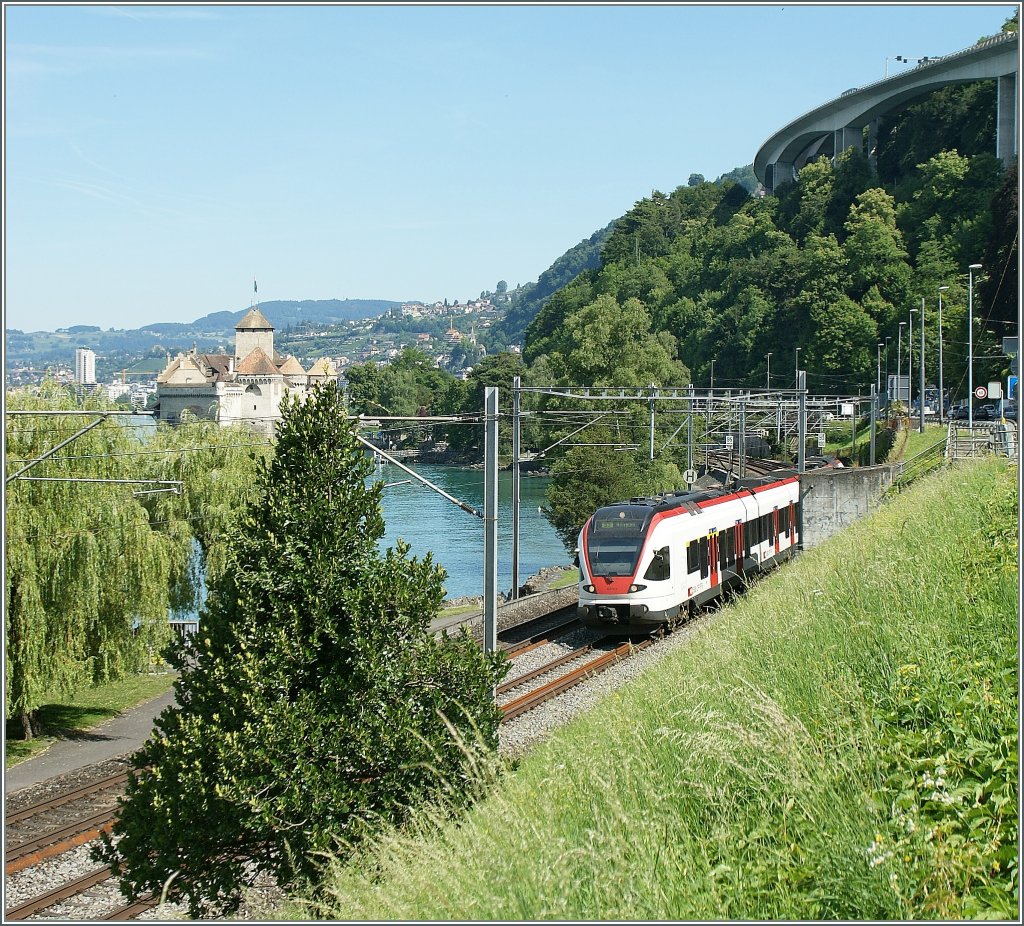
(430, 523)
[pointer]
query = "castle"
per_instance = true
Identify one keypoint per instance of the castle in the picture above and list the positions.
(244, 388)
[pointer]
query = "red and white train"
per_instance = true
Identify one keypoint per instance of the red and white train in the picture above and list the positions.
(649, 561)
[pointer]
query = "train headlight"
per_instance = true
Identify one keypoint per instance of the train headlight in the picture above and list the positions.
(590, 588)
(637, 588)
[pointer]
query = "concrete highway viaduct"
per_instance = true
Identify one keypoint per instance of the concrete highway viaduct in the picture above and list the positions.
(839, 124)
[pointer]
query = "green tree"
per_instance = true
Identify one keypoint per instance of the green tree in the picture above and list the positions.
(874, 248)
(365, 381)
(607, 344)
(588, 477)
(814, 183)
(845, 340)
(315, 701)
(91, 568)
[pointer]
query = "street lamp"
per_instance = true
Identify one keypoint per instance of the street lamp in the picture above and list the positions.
(899, 361)
(920, 362)
(878, 382)
(942, 395)
(970, 343)
(887, 340)
(768, 357)
(797, 364)
(910, 361)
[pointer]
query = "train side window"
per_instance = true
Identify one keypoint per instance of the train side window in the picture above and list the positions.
(692, 556)
(784, 521)
(705, 559)
(659, 569)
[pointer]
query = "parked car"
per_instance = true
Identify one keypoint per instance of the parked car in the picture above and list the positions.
(1010, 410)
(958, 413)
(986, 412)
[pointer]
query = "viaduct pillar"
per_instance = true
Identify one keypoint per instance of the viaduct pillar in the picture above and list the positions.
(1007, 105)
(873, 144)
(777, 174)
(849, 136)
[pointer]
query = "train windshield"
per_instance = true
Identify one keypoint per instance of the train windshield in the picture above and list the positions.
(615, 538)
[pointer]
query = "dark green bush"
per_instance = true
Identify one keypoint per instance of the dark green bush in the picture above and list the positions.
(314, 702)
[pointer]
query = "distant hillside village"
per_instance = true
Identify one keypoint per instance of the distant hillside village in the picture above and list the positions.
(247, 384)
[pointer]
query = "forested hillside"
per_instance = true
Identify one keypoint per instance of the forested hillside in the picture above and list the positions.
(829, 266)
(708, 274)
(528, 300)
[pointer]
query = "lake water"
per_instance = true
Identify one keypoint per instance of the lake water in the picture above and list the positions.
(430, 523)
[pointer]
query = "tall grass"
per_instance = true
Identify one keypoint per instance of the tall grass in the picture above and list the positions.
(840, 743)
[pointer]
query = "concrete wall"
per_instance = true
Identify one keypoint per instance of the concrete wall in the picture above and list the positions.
(835, 498)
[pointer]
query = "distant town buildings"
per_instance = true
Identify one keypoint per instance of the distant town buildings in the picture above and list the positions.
(246, 387)
(85, 366)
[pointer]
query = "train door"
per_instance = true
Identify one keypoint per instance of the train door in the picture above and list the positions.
(792, 524)
(775, 529)
(713, 558)
(740, 548)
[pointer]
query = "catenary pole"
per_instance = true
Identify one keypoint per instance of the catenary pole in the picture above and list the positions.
(491, 519)
(874, 414)
(743, 436)
(689, 427)
(654, 392)
(801, 379)
(515, 486)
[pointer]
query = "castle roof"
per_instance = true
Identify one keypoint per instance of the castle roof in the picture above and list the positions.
(292, 367)
(254, 319)
(257, 363)
(323, 367)
(217, 363)
(171, 367)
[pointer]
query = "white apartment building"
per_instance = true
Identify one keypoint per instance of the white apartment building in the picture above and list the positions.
(85, 366)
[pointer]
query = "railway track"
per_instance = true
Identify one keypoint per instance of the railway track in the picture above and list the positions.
(569, 669)
(60, 823)
(54, 826)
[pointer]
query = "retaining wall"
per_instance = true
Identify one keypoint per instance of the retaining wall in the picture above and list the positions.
(834, 498)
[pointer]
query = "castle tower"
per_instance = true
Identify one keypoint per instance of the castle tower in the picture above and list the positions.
(251, 332)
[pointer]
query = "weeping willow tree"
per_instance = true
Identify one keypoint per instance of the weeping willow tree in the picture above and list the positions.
(216, 466)
(92, 568)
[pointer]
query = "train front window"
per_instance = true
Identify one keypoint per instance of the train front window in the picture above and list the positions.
(660, 569)
(615, 538)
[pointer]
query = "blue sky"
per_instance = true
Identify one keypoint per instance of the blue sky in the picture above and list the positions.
(158, 158)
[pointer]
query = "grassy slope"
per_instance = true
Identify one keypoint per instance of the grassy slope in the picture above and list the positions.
(840, 743)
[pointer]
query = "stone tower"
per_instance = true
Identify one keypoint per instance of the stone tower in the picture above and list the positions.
(251, 332)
